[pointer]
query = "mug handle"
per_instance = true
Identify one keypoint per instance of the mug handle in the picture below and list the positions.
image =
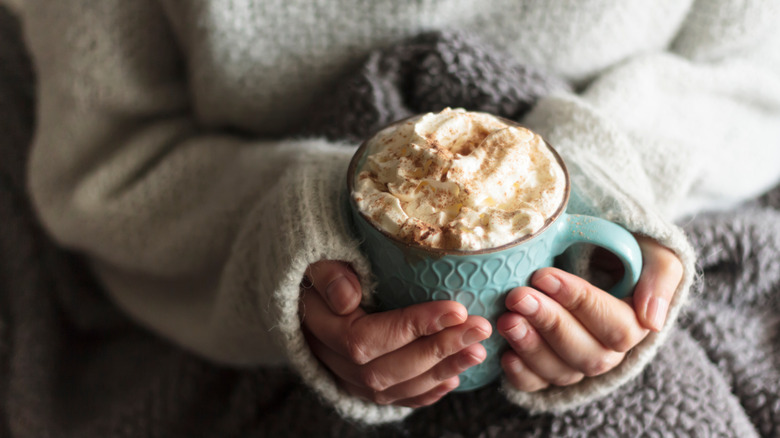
(576, 228)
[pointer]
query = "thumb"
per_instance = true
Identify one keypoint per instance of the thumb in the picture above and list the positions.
(337, 284)
(662, 272)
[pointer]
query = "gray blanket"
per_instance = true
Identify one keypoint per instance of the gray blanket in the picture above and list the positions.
(71, 365)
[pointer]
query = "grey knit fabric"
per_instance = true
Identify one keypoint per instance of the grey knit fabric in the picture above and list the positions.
(427, 74)
(73, 366)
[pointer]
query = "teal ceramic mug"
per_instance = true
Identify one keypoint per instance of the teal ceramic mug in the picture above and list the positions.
(408, 273)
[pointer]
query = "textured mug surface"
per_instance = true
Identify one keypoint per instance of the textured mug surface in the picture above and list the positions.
(408, 273)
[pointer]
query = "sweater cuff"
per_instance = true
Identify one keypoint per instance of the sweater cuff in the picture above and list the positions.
(315, 226)
(612, 184)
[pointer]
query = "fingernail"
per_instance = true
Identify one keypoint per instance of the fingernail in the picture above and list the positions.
(549, 284)
(474, 335)
(527, 306)
(449, 320)
(656, 312)
(517, 332)
(338, 293)
(468, 360)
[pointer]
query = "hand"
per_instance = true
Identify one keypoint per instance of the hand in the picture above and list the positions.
(564, 329)
(407, 357)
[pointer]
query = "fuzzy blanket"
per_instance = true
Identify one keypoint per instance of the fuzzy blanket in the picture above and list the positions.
(71, 365)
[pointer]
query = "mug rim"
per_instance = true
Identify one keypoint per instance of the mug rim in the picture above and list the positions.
(351, 174)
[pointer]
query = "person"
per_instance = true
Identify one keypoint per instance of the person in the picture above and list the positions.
(166, 154)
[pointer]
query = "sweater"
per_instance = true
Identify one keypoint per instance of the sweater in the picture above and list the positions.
(165, 148)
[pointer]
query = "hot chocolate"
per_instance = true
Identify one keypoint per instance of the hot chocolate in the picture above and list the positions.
(459, 180)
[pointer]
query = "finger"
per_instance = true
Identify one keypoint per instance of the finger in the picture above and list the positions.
(364, 337)
(423, 354)
(428, 398)
(444, 370)
(406, 363)
(340, 368)
(519, 375)
(337, 284)
(612, 321)
(423, 384)
(431, 396)
(536, 353)
(418, 357)
(662, 272)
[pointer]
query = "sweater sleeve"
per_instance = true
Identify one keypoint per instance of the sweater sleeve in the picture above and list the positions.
(665, 135)
(202, 236)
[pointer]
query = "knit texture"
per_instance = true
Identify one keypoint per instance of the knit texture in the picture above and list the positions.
(426, 74)
(155, 155)
(74, 366)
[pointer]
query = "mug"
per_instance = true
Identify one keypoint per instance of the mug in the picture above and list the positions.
(408, 273)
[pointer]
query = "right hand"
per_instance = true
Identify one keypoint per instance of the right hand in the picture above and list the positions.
(407, 357)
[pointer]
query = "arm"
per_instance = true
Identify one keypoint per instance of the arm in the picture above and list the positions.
(200, 235)
(663, 135)
(679, 131)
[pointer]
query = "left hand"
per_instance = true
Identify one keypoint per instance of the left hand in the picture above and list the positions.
(563, 328)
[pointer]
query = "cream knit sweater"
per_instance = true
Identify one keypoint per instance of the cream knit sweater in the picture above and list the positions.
(161, 153)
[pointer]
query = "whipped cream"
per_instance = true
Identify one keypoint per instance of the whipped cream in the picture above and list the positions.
(459, 180)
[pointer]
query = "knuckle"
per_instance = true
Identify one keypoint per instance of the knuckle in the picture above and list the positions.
(550, 323)
(356, 348)
(598, 366)
(531, 386)
(673, 268)
(437, 350)
(440, 373)
(381, 398)
(581, 298)
(595, 367)
(668, 264)
(410, 323)
(619, 340)
(373, 380)
(567, 379)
